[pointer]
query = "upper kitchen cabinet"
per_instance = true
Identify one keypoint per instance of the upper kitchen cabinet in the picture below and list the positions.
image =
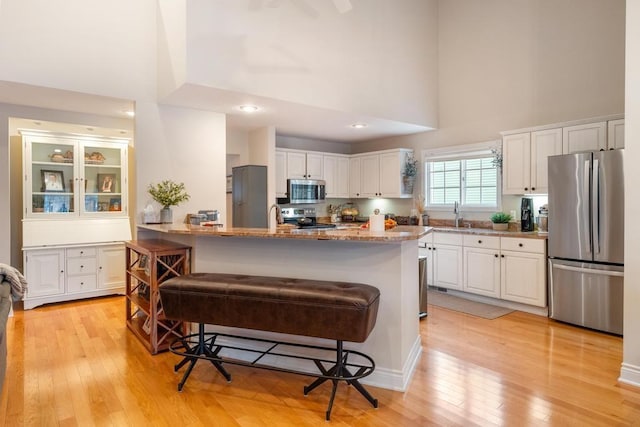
(72, 176)
(615, 134)
(336, 175)
(525, 160)
(355, 170)
(281, 173)
(381, 174)
(587, 137)
(303, 165)
(525, 151)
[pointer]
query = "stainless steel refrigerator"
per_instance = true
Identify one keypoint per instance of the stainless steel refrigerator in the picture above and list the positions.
(586, 239)
(249, 196)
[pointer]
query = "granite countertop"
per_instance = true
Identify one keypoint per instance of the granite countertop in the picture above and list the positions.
(480, 231)
(349, 233)
(490, 232)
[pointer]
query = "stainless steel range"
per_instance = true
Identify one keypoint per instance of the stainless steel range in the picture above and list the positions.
(303, 218)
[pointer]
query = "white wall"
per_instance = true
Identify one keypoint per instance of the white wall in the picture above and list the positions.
(631, 354)
(378, 59)
(90, 46)
(183, 145)
(511, 64)
(310, 144)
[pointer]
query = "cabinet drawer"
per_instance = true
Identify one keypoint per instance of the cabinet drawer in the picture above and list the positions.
(81, 252)
(475, 241)
(82, 283)
(523, 245)
(447, 238)
(76, 266)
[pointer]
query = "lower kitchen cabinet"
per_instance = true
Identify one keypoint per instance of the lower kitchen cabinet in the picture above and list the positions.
(69, 273)
(508, 268)
(447, 260)
(481, 264)
(523, 271)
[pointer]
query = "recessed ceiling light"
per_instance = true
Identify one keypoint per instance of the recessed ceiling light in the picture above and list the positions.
(359, 125)
(248, 108)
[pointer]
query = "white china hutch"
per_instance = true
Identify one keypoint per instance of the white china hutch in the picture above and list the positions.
(75, 216)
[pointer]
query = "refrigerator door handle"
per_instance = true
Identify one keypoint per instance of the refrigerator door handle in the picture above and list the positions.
(586, 194)
(595, 206)
(588, 270)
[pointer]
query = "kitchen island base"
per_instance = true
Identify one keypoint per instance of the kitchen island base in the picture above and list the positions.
(389, 264)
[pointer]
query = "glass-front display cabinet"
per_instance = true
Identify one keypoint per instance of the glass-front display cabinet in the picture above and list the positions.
(69, 176)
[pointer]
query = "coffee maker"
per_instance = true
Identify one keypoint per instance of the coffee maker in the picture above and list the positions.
(526, 214)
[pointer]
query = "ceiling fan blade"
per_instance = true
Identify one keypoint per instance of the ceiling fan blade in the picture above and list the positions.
(343, 6)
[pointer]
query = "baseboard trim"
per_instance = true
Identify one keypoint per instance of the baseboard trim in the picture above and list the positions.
(630, 374)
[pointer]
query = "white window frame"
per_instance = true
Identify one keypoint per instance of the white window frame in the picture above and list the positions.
(463, 152)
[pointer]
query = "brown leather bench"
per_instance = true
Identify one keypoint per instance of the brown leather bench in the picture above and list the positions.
(337, 311)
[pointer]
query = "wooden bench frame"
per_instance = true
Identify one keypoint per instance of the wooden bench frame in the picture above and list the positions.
(203, 346)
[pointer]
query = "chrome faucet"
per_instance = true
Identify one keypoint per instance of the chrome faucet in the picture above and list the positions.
(278, 215)
(456, 210)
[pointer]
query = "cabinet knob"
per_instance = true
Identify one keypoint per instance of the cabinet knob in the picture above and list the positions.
(526, 188)
(502, 256)
(61, 271)
(479, 241)
(82, 266)
(533, 188)
(81, 252)
(81, 283)
(496, 255)
(520, 244)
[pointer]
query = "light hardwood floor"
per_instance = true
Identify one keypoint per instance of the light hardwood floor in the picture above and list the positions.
(75, 364)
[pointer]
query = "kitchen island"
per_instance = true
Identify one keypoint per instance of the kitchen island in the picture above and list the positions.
(386, 260)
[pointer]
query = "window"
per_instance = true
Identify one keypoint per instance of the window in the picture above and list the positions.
(469, 178)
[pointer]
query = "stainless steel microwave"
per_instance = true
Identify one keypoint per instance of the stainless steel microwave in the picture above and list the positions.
(306, 190)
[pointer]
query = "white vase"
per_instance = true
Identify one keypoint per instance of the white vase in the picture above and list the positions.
(166, 216)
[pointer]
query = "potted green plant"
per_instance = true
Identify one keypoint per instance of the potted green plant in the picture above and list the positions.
(409, 173)
(500, 221)
(168, 193)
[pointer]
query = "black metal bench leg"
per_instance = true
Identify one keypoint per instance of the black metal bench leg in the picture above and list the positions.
(192, 354)
(363, 391)
(192, 363)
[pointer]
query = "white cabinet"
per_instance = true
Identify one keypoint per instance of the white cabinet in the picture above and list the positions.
(587, 137)
(64, 274)
(281, 174)
(44, 270)
(523, 274)
(381, 174)
(525, 160)
(111, 267)
(447, 260)
(615, 134)
(482, 265)
(70, 176)
(525, 153)
(508, 268)
(355, 174)
(304, 165)
(370, 176)
(336, 175)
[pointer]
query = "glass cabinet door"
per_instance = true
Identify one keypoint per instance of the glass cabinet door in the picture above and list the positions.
(104, 189)
(50, 184)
